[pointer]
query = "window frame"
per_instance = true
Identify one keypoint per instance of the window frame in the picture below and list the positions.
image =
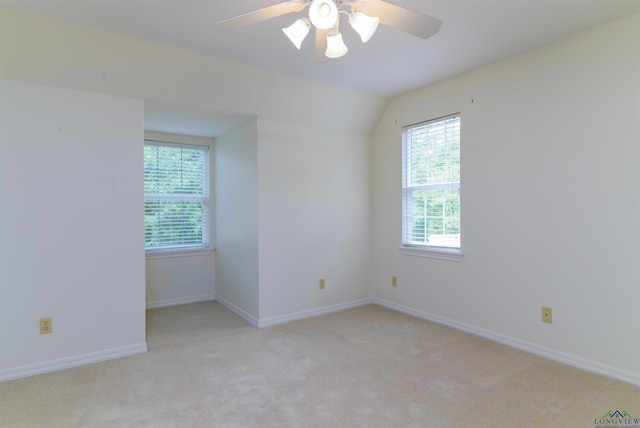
(426, 250)
(195, 249)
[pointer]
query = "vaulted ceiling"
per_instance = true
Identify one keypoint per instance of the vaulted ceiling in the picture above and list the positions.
(473, 33)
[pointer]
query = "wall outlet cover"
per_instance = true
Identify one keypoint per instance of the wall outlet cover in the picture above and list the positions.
(46, 325)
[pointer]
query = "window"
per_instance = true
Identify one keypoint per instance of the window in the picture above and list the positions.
(431, 187)
(176, 197)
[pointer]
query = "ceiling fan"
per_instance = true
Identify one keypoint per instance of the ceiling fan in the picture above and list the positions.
(324, 15)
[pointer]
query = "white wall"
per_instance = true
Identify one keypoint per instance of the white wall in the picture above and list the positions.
(292, 206)
(236, 219)
(314, 218)
(53, 53)
(174, 278)
(550, 200)
(71, 223)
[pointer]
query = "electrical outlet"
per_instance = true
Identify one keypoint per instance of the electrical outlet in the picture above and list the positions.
(394, 281)
(321, 283)
(547, 315)
(46, 326)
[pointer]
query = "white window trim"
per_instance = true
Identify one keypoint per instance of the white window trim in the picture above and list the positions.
(430, 251)
(439, 253)
(170, 253)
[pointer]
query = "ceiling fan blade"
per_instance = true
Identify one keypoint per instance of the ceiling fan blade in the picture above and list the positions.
(321, 46)
(400, 18)
(260, 15)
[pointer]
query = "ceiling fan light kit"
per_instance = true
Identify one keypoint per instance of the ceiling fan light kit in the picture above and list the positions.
(324, 16)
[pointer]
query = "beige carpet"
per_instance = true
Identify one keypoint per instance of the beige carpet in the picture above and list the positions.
(364, 367)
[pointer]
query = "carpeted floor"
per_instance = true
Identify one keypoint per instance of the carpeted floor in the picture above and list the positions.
(364, 367)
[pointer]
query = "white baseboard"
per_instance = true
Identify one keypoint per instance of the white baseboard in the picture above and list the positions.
(180, 301)
(268, 322)
(532, 348)
(552, 354)
(240, 312)
(70, 362)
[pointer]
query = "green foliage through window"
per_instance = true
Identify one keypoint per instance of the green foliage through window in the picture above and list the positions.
(431, 183)
(176, 187)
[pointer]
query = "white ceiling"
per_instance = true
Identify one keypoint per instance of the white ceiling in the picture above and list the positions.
(473, 33)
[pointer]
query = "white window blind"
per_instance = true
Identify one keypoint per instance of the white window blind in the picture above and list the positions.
(176, 196)
(431, 183)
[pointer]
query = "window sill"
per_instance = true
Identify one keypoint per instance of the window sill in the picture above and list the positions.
(163, 254)
(451, 254)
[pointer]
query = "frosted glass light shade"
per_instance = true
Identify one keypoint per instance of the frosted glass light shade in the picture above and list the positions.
(335, 45)
(364, 25)
(323, 13)
(297, 31)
